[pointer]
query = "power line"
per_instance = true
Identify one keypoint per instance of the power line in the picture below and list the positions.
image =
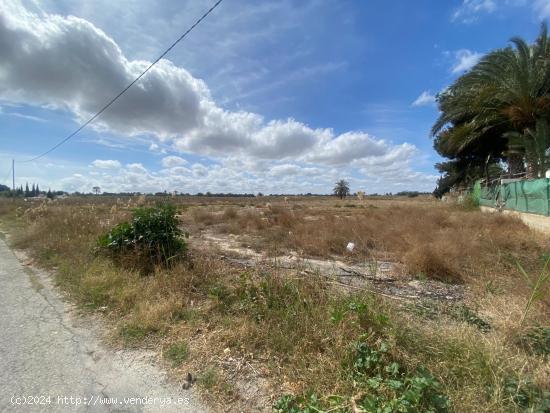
(113, 100)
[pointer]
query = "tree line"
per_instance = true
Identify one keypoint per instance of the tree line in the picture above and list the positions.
(27, 192)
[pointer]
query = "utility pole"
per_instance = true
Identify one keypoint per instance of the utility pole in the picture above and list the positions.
(13, 174)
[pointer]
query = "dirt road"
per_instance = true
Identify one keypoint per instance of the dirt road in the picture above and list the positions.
(53, 361)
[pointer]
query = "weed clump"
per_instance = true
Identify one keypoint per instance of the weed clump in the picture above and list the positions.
(152, 237)
(384, 387)
(457, 312)
(536, 341)
(177, 353)
(527, 396)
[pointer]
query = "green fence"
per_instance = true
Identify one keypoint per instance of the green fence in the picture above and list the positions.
(531, 196)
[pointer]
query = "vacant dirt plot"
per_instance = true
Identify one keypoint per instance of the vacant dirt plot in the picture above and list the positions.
(270, 302)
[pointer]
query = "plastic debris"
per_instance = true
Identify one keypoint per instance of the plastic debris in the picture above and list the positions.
(350, 247)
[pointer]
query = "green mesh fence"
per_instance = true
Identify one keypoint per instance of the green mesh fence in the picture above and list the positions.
(531, 196)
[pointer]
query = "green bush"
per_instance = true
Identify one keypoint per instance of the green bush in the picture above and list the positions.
(151, 238)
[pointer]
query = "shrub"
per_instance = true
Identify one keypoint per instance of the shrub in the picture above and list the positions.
(152, 237)
(229, 213)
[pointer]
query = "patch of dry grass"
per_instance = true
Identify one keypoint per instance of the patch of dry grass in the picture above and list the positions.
(295, 331)
(435, 241)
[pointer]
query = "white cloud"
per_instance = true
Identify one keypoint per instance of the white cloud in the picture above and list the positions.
(470, 9)
(390, 173)
(67, 63)
(156, 148)
(347, 148)
(285, 169)
(172, 161)
(464, 60)
(110, 143)
(199, 170)
(136, 168)
(19, 115)
(426, 98)
(106, 164)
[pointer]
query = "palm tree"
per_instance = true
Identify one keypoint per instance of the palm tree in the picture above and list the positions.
(341, 189)
(507, 91)
(534, 143)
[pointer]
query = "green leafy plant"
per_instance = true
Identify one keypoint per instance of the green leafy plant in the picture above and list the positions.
(384, 387)
(152, 237)
(527, 396)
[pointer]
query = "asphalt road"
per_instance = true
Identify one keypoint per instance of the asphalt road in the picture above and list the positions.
(54, 359)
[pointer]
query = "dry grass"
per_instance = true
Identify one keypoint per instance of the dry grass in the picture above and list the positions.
(431, 240)
(297, 332)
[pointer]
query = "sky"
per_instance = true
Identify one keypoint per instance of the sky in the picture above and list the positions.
(271, 96)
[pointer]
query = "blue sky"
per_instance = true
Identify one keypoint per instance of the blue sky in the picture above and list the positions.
(271, 96)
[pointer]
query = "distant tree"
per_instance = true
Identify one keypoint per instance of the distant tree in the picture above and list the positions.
(49, 194)
(341, 189)
(37, 190)
(27, 192)
(96, 190)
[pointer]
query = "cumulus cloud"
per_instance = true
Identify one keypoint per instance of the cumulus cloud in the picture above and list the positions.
(68, 63)
(464, 60)
(172, 161)
(348, 147)
(106, 164)
(426, 98)
(390, 173)
(136, 168)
